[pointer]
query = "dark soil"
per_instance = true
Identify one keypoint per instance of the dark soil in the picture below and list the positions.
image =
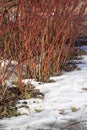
(72, 65)
(81, 41)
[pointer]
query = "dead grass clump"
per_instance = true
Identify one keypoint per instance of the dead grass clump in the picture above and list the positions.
(12, 96)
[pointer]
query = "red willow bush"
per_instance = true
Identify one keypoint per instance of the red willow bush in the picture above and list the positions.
(38, 35)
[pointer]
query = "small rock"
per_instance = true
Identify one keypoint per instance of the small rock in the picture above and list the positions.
(34, 102)
(24, 102)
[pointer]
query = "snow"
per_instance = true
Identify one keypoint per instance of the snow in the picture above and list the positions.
(56, 109)
(6, 62)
